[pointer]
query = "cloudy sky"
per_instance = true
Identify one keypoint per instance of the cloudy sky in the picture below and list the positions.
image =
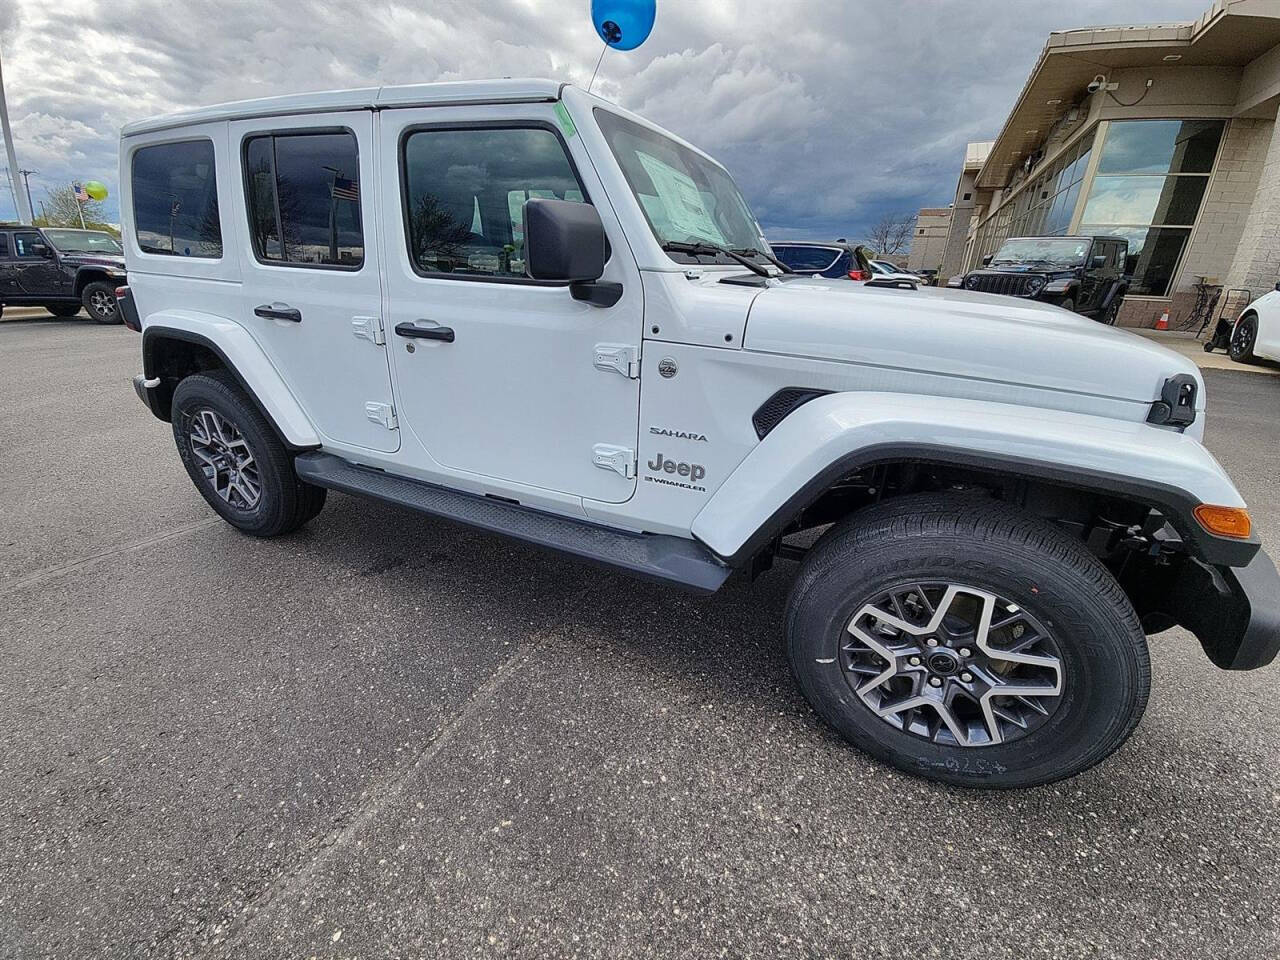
(829, 114)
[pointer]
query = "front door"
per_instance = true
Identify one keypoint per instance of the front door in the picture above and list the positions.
(513, 381)
(312, 295)
(38, 274)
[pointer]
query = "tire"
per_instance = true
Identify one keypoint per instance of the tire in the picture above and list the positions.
(1109, 313)
(1243, 337)
(99, 299)
(1063, 595)
(210, 409)
(1068, 303)
(63, 309)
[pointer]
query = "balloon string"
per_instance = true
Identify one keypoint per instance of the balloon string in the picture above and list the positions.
(597, 69)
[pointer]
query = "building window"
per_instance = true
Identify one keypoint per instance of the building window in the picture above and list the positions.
(1151, 179)
(175, 200)
(968, 196)
(304, 198)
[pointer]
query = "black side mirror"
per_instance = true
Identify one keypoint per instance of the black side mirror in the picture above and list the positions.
(1098, 262)
(42, 250)
(986, 261)
(564, 240)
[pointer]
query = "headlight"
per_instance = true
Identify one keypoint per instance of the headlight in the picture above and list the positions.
(971, 283)
(1034, 285)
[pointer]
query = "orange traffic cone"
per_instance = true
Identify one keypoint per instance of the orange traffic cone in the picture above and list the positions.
(1163, 322)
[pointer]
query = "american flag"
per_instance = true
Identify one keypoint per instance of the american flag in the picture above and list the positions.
(81, 196)
(346, 189)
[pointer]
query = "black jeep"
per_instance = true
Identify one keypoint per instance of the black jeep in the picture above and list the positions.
(1083, 274)
(61, 270)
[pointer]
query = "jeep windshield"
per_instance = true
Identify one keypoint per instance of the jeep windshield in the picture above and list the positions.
(689, 201)
(83, 241)
(1054, 251)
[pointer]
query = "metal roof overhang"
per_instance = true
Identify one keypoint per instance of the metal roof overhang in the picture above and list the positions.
(1231, 33)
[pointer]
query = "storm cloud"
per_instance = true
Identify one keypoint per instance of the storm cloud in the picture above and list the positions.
(828, 114)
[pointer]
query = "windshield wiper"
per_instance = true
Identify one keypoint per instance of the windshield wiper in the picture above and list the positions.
(703, 249)
(753, 252)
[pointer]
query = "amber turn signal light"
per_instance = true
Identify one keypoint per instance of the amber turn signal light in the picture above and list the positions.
(1224, 521)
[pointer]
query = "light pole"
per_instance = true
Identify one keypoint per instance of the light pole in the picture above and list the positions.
(20, 201)
(26, 182)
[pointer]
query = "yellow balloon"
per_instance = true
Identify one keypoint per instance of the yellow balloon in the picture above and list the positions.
(96, 189)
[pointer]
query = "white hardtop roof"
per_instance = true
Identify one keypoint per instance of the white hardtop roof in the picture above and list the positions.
(363, 98)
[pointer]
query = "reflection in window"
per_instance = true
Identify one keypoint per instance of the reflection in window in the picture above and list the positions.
(806, 259)
(303, 191)
(466, 190)
(1152, 176)
(175, 200)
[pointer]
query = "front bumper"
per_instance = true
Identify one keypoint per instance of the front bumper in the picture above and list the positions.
(1233, 611)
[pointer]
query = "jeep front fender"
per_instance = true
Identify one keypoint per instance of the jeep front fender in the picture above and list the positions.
(241, 356)
(839, 433)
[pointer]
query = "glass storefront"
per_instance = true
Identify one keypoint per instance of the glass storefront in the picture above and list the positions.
(1151, 178)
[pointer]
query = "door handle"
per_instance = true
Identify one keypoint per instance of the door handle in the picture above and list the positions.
(282, 311)
(424, 333)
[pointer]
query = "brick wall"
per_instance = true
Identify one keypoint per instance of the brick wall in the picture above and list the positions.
(1256, 264)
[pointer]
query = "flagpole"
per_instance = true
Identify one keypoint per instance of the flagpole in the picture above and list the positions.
(19, 201)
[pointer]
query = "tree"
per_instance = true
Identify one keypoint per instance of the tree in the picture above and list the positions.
(61, 209)
(892, 234)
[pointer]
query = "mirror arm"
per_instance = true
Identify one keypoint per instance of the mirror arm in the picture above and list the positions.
(599, 293)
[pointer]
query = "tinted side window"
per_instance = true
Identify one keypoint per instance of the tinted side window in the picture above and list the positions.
(4, 245)
(175, 200)
(303, 192)
(22, 244)
(465, 190)
(806, 259)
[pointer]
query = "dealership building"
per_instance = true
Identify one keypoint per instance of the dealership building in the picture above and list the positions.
(1163, 134)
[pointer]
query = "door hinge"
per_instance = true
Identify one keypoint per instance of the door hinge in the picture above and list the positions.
(369, 328)
(382, 413)
(620, 358)
(621, 460)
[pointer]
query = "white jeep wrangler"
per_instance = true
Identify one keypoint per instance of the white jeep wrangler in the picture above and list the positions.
(514, 305)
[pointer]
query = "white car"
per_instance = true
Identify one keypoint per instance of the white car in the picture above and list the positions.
(890, 271)
(514, 305)
(1256, 334)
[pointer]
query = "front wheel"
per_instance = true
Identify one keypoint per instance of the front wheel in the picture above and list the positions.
(964, 641)
(235, 459)
(99, 298)
(1110, 312)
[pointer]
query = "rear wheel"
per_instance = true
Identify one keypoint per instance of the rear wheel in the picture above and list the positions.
(964, 641)
(63, 309)
(1111, 311)
(235, 459)
(1243, 337)
(99, 298)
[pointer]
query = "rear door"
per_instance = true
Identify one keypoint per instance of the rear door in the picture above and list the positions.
(312, 294)
(532, 387)
(37, 275)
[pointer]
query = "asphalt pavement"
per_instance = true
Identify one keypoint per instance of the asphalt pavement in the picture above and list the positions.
(386, 736)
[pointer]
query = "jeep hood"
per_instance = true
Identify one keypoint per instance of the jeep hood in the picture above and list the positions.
(959, 333)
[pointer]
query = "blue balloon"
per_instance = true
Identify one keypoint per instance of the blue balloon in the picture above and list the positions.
(623, 24)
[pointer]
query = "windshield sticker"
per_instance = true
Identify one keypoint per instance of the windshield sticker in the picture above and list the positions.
(683, 208)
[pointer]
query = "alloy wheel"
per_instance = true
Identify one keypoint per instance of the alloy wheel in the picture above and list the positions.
(103, 304)
(952, 664)
(1242, 338)
(225, 459)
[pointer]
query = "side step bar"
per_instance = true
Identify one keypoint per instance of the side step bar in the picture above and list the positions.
(674, 559)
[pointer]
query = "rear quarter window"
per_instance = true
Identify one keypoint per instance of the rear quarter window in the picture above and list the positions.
(806, 259)
(175, 200)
